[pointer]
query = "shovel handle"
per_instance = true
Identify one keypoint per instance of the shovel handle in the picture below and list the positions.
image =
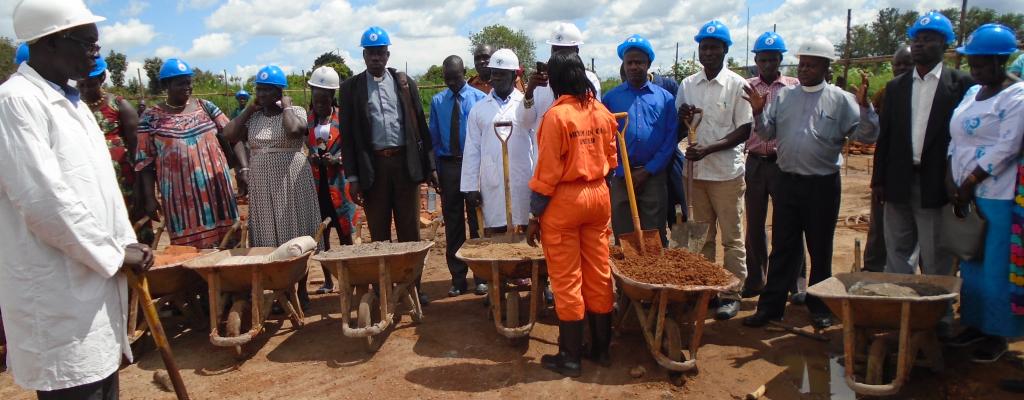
(509, 226)
(153, 320)
(621, 136)
(692, 124)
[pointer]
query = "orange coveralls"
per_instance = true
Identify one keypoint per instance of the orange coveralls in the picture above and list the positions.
(576, 144)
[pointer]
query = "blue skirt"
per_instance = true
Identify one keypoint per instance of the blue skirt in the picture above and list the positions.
(985, 295)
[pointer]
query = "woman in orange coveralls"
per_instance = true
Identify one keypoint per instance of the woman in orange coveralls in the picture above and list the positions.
(570, 208)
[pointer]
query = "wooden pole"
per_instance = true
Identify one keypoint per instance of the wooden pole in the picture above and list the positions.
(746, 60)
(963, 32)
(142, 88)
(846, 69)
(675, 66)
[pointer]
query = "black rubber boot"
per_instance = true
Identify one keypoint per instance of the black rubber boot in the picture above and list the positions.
(601, 338)
(570, 342)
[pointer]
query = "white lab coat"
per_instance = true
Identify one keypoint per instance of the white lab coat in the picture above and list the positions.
(63, 229)
(543, 98)
(482, 168)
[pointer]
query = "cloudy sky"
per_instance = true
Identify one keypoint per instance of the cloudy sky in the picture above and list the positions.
(239, 36)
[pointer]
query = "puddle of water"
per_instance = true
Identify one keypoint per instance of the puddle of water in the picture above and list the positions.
(819, 375)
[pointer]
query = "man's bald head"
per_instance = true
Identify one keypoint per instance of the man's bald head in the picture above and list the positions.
(902, 61)
(454, 72)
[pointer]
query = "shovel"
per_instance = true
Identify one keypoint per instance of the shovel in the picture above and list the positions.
(690, 235)
(510, 228)
(638, 242)
(149, 310)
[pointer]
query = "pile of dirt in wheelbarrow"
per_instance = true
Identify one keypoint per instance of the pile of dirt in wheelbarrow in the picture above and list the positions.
(501, 251)
(904, 289)
(376, 249)
(673, 267)
(174, 255)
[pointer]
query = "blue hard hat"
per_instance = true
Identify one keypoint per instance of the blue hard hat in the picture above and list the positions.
(933, 21)
(375, 36)
(769, 41)
(174, 67)
(990, 40)
(22, 54)
(272, 75)
(636, 42)
(242, 93)
(714, 29)
(101, 66)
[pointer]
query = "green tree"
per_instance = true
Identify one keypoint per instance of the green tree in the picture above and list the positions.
(433, 76)
(889, 29)
(7, 49)
(152, 67)
(336, 61)
(503, 37)
(117, 63)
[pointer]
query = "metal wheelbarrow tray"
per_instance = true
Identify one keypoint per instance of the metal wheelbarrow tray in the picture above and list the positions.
(913, 318)
(663, 334)
(392, 268)
(280, 277)
(503, 294)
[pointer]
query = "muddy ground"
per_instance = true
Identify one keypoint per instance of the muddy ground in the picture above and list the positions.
(456, 353)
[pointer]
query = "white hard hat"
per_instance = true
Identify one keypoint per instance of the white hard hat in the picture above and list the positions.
(566, 34)
(504, 59)
(819, 46)
(325, 77)
(34, 19)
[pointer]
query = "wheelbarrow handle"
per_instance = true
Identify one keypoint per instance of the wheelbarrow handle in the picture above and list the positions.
(153, 320)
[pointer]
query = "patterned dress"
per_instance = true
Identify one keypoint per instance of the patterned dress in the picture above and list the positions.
(192, 173)
(332, 188)
(108, 116)
(282, 195)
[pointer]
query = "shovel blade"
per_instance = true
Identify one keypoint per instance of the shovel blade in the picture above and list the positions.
(691, 236)
(631, 243)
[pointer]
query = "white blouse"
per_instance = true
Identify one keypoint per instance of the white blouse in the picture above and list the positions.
(988, 134)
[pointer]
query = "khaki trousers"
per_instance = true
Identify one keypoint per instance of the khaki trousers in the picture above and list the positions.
(720, 205)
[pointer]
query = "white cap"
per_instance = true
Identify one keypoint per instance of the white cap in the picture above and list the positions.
(819, 46)
(325, 77)
(566, 34)
(34, 19)
(504, 59)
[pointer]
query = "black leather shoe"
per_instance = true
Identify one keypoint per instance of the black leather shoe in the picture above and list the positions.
(570, 344)
(455, 292)
(798, 298)
(749, 292)
(822, 321)
(481, 289)
(727, 309)
(759, 319)
(424, 300)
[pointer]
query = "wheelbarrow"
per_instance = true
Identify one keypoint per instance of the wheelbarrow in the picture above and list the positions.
(393, 269)
(871, 319)
(170, 283)
(279, 277)
(653, 303)
(504, 293)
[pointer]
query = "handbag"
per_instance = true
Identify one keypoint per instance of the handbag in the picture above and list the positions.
(964, 237)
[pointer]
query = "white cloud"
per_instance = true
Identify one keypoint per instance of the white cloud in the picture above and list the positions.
(166, 52)
(134, 70)
(132, 33)
(211, 45)
(134, 8)
(196, 4)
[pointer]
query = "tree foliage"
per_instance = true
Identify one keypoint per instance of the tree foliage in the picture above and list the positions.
(503, 37)
(117, 63)
(336, 61)
(152, 67)
(889, 29)
(7, 49)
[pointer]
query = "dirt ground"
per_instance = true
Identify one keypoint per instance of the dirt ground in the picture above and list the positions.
(456, 352)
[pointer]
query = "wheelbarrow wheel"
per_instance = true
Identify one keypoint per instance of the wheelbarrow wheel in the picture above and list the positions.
(876, 362)
(672, 346)
(368, 313)
(233, 326)
(511, 309)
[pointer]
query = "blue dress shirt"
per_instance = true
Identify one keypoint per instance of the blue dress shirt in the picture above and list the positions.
(441, 117)
(651, 134)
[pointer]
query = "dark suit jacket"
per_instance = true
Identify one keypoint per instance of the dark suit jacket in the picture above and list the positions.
(894, 157)
(357, 137)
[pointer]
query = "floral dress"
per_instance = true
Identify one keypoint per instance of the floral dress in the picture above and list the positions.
(108, 117)
(193, 177)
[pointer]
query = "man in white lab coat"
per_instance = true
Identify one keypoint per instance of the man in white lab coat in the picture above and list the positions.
(482, 169)
(66, 233)
(538, 96)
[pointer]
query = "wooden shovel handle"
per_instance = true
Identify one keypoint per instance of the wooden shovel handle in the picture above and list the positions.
(621, 136)
(153, 320)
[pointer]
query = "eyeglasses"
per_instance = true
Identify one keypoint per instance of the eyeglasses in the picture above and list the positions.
(91, 48)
